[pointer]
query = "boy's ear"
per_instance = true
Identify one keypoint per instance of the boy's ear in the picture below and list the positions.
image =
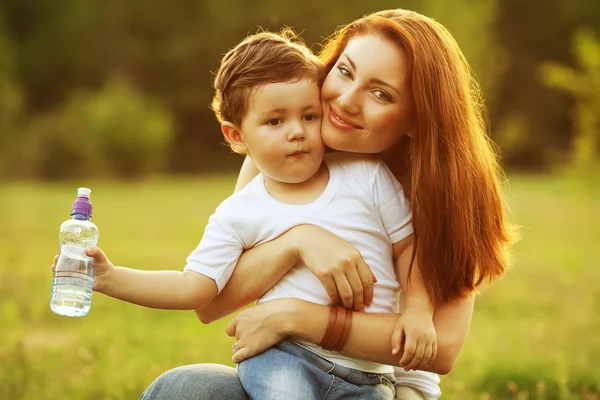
(233, 135)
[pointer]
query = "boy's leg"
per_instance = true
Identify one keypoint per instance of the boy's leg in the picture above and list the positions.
(288, 371)
(355, 384)
(277, 374)
(197, 382)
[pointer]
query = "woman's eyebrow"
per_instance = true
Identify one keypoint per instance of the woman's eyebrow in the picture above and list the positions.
(349, 60)
(374, 80)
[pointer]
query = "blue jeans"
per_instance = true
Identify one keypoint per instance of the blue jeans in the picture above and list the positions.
(289, 371)
(197, 382)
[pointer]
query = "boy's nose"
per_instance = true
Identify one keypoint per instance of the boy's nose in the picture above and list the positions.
(296, 132)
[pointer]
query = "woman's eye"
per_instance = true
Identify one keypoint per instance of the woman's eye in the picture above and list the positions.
(311, 117)
(274, 121)
(344, 71)
(381, 95)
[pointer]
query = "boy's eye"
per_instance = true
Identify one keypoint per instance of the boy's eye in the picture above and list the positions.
(381, 95)
(310, 117)
(274, 121)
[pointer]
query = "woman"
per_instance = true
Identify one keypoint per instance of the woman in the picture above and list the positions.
(397, 85)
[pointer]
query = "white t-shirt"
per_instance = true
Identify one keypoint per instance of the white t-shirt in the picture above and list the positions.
(363, 204)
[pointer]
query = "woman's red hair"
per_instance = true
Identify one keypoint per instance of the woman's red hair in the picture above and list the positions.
(450, 167)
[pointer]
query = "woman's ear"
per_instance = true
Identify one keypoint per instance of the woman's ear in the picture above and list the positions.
(233, 135)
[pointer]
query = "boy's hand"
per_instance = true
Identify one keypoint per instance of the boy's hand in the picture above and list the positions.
(415, 328)
(103, 268)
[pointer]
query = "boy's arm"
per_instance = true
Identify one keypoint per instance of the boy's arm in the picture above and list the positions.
(414, 289)
(165, 290)
(258, 269)
(169, 290)
(414, 330)
(208, 269)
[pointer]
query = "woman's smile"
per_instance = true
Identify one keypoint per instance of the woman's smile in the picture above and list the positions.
(341, 122)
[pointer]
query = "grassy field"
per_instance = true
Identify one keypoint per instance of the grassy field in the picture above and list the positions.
(535, 335)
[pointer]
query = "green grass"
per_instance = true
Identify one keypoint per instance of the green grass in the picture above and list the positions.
(535, 334)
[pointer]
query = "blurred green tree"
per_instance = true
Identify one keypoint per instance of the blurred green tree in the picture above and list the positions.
(114, 132)
(583, 84)
(11, 101)
(530, 121)
(169, 50)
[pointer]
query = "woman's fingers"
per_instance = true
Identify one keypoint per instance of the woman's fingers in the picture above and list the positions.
(367, 280)
(332, 258)
(242, 354)
(344, 290)
(356, 286)
(231, 328)
(330, 287)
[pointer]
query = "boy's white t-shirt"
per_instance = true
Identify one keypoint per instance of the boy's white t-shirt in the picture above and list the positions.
(363, 204)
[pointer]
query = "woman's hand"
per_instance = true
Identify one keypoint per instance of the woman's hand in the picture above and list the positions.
(258, 328)
(339, 266)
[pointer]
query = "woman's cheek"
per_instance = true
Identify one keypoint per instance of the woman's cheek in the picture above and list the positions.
(328, 90)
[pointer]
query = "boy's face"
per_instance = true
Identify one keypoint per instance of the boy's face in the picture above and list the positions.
(282, 130)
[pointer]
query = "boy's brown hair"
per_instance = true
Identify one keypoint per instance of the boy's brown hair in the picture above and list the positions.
(259, 59)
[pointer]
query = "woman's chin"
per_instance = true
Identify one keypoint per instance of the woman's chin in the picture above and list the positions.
(343, 145)
(339, 142)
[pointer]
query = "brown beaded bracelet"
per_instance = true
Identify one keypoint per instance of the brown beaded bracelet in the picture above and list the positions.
(330, 326)
(345, 332)
(340, 321)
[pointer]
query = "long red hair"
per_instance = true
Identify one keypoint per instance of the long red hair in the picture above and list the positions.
(449, 167)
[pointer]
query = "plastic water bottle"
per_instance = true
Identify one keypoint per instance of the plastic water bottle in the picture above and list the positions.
(74, 275)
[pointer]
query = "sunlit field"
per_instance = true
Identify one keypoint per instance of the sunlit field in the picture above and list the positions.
(535, 334)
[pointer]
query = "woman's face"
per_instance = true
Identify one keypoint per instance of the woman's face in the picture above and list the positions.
(367, 101)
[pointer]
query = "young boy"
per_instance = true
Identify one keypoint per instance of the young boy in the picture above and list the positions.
(268, 102)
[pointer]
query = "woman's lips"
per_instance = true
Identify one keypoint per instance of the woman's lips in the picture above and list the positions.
(341, 122)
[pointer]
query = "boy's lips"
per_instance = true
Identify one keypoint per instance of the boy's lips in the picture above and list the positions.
(299, 153)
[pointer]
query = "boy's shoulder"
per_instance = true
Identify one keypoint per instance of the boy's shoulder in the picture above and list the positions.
(243, 201)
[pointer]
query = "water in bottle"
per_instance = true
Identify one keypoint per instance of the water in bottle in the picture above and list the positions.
(74, 275)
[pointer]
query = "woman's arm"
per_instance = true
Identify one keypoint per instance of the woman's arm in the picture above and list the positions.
(247, 173)
(336, 263)
(257, 270)
(451, 321)
(258, 328)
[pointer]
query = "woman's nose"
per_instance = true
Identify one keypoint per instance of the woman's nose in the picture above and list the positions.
(348, 102)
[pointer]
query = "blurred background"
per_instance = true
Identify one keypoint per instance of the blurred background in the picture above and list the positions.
(114, 95)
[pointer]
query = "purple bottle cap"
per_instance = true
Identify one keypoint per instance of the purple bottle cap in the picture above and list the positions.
(82, 206)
